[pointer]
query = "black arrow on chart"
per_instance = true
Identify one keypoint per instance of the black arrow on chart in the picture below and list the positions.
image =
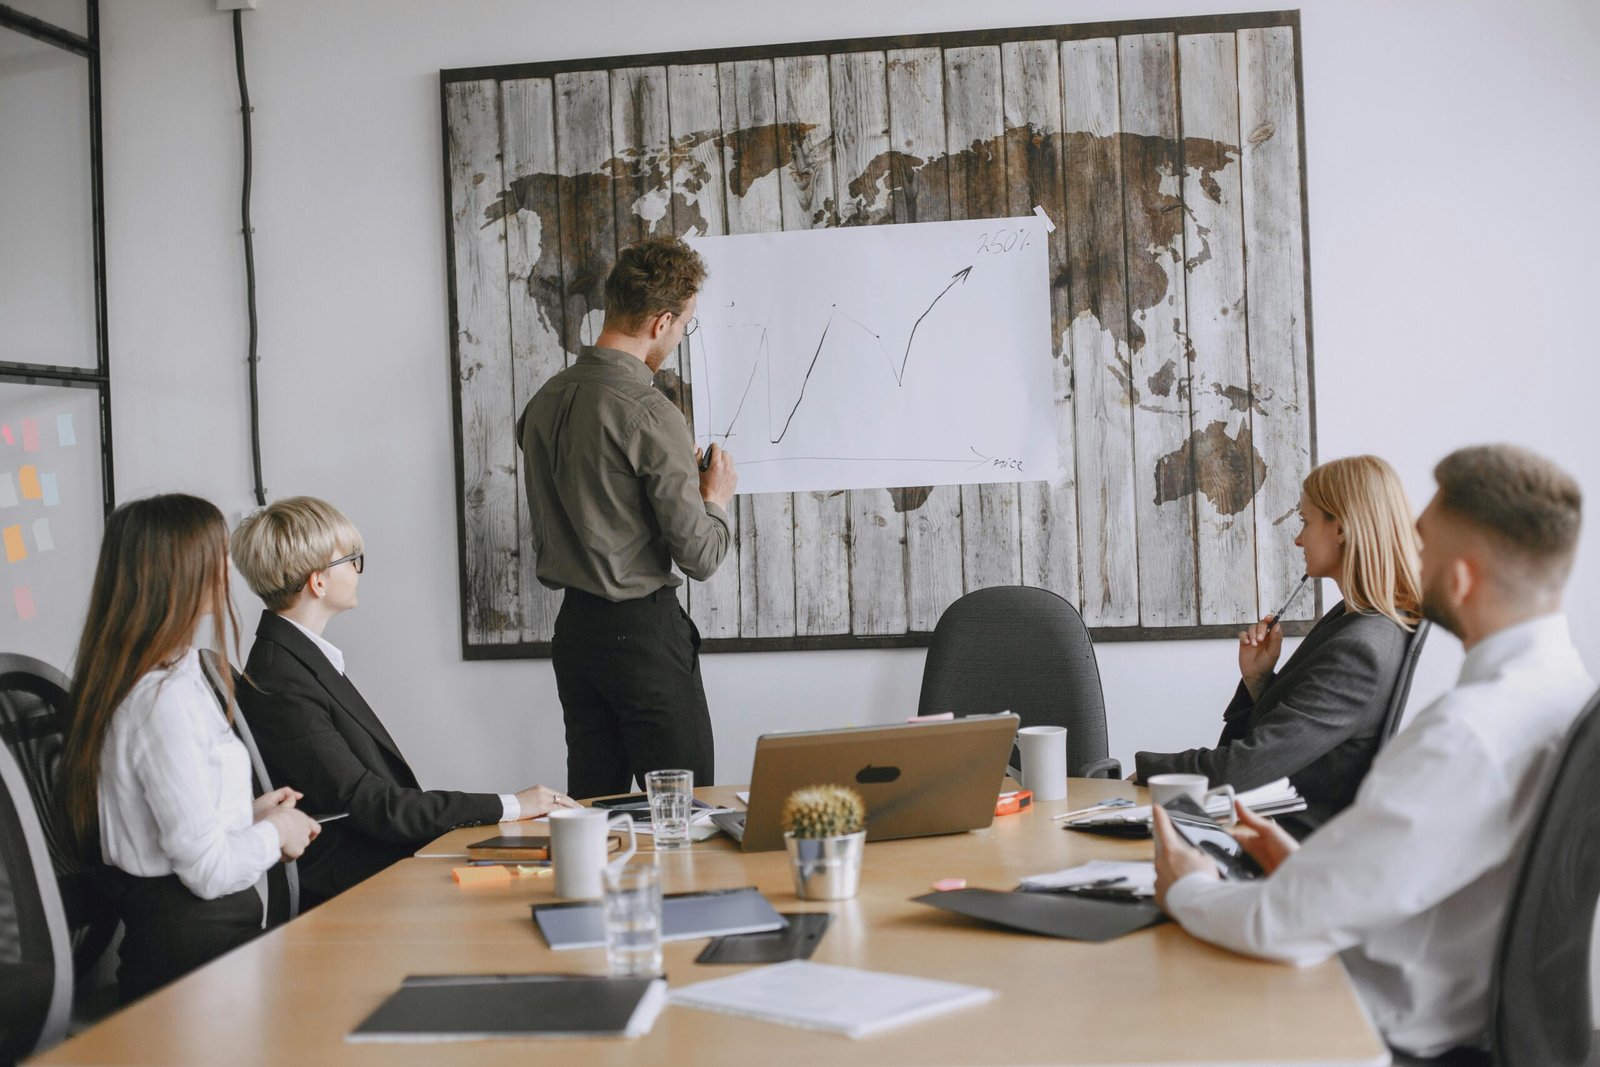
(958, 276)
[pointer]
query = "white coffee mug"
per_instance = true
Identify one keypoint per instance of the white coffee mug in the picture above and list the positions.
(1166, 787)
(1044, 761)
(578, 849)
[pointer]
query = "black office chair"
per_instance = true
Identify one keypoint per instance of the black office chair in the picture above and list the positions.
(1402, 684)
(283, 880)
(1540, 999)
(33, 722)
(1021, 649)
(35, 949)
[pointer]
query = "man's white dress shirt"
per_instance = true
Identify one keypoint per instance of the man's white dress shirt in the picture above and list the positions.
(175, 788)
(1410, 883)
(510, 806)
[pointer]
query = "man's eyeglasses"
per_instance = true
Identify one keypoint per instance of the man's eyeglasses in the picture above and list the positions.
(694, 324)
(358, 558)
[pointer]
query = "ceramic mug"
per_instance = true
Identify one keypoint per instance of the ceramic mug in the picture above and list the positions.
(1166, 787)
(1044, 761)
(578, 849)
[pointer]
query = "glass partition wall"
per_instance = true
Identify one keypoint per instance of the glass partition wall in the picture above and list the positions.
(55, 405)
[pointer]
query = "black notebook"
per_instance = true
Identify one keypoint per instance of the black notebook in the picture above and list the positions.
(475, 1007)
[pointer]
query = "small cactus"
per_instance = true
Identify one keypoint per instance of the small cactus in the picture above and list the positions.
(823, 811)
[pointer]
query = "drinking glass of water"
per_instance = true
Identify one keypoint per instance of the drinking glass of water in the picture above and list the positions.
(671, 800)
(633, 921)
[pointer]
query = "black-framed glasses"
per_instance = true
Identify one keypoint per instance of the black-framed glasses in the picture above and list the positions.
(694, 324)
(358, 558)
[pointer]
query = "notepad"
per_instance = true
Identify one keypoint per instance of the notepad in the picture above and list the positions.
(684, 917)
(821, 996)
(1275, 798)
(475, 1007)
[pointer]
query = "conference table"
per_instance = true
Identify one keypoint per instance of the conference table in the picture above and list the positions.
(1157, 996)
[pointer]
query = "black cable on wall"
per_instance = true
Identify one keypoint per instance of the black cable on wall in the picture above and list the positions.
(249, 259)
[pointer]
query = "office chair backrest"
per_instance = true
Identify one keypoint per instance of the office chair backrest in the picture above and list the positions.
(1542, 1015)
(33, 725)
(35, 949)
(1026, 650)
(283, 880)
(1402, 684)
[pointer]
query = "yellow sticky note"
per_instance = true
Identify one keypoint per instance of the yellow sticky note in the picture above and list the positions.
(15, 549)
(28, 481)
(480, 876)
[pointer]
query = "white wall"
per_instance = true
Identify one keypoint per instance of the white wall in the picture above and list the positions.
(1450, 146)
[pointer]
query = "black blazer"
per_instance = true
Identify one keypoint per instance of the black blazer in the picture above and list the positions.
(1319, 720)
(317, 735)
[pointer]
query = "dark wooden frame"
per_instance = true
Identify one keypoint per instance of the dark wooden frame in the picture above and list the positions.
(99, 379)
(959, 38)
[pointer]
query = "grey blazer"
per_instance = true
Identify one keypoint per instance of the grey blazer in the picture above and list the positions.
(1319, 720)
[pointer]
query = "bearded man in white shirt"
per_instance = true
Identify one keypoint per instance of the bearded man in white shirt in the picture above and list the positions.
(1410, 883)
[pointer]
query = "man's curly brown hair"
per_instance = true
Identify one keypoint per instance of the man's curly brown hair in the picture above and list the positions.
(651, 276)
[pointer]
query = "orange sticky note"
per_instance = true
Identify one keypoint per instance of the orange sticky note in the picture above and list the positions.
(480, 876)
(15, 549)
(28, 482)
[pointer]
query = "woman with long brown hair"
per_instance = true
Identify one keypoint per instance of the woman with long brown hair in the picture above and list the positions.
(1319, 720)
(154, 775)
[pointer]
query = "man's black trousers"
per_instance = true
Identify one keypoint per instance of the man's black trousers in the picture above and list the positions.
(628, 673)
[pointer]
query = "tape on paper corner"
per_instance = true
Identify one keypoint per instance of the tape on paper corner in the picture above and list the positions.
(1049, 227)
(22, 596)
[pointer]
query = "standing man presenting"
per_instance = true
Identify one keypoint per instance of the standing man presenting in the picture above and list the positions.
(616, 499)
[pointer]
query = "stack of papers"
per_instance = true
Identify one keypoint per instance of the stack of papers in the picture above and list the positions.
(821, 996)
(1274, 798)
(1138, 879)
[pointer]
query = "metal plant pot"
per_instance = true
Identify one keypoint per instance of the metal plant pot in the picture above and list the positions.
(825, 868)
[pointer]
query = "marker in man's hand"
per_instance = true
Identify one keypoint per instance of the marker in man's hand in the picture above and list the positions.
(705, 457)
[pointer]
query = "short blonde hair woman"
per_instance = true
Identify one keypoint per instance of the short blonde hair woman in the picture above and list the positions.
(304, 559)
(1319, 720)
(277, 548)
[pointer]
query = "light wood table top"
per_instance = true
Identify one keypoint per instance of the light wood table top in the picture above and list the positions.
(1153, 997)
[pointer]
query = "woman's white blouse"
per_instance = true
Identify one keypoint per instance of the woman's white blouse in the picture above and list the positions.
(175, 788)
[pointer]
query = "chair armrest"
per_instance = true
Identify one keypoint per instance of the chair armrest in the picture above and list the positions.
(1101, 768)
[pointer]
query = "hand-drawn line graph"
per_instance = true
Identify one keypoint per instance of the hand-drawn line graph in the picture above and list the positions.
(856, 358)
(763, 360)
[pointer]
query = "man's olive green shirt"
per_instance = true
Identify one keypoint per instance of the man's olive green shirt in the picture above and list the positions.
(613, 489)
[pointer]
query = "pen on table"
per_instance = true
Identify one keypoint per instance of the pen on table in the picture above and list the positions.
(1304, 578)
(1116, 802)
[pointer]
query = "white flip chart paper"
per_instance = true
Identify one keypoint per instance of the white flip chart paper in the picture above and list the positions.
(877, 356)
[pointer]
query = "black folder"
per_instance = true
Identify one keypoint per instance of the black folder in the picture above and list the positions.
(1050, 914)
(469, 1007)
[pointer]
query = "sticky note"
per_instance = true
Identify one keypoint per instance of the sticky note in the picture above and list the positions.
(8, 491)
(47, 486)
(15, 550)
(30, 435)
(480, 876)
(64, 432)
(5, 432)
(28, 481)
(42, 541)
(24, 600)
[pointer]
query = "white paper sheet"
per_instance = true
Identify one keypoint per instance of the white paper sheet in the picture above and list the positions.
(873, 356)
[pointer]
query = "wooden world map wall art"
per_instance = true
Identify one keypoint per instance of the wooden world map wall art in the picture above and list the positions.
(1170, 157)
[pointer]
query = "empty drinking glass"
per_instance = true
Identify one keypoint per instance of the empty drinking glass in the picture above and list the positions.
(671, 800)
(633, 921)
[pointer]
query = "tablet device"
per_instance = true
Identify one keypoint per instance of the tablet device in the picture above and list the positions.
(1201, 831)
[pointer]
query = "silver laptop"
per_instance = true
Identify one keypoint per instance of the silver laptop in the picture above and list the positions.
(917, 779)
